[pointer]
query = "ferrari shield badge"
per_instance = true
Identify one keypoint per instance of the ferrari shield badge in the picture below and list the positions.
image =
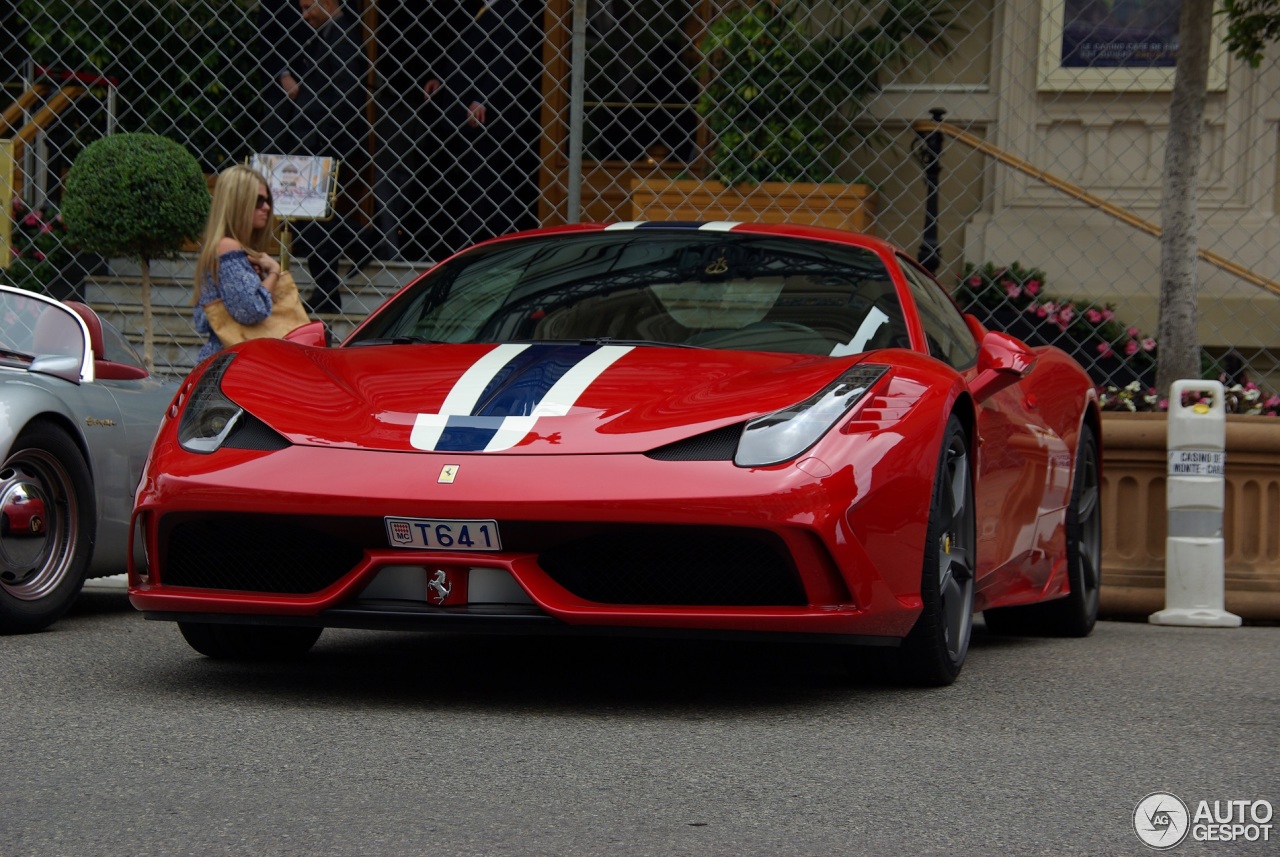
(447, 474)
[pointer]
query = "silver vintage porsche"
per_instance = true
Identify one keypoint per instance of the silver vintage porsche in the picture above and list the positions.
(78, 412)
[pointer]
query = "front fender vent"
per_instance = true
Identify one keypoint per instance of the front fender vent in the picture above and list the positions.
(717, 445)
(253, 434)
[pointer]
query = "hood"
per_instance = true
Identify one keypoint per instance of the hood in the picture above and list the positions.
(542, 398)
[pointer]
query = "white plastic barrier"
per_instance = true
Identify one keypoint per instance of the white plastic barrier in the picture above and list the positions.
(1194, 492)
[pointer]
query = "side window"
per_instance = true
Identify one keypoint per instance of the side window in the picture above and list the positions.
(944, 328)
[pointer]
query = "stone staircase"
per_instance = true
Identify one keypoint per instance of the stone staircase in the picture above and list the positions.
(116, 295)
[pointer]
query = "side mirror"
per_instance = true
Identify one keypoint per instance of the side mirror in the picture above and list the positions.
(313, 333)
(975, 327)
(1003, 360)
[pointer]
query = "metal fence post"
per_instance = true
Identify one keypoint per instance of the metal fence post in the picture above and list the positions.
(1194, 495)
(930, 256)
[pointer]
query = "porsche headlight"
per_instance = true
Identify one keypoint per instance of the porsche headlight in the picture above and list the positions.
(209, 415)
(782, 435)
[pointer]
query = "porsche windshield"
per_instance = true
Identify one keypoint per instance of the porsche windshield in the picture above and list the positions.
(680, 287)
(32, 327)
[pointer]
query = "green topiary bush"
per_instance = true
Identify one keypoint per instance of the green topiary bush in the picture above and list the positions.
(136, 196)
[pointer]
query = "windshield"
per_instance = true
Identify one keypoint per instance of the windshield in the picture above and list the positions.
(682, 287)
(32, 326)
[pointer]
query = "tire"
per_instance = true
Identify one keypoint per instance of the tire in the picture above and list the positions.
(934, 651)
(43, 557)
(1075, 614)
(249, 642)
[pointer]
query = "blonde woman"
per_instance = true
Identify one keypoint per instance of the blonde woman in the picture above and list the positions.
(234, 264)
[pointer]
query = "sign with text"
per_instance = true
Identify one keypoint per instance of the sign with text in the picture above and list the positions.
(1197, 462)
(302, 186)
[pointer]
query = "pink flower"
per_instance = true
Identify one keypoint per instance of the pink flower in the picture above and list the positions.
(32, 219)
(1134, 333)
(1148, 344)
(1012, 289)
(975, 281)
(1033, 287)
(1104, 349)
(1065, 315)
(1108, 315)
(1131, 347)
(46, 228)
(40, 257)
(1093, 315)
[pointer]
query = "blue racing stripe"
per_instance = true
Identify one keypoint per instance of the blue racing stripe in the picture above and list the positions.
(468, 434)
(522, 383)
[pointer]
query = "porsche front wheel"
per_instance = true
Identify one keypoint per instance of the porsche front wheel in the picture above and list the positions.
(46, 528)
(248, 642)
(1075, 614)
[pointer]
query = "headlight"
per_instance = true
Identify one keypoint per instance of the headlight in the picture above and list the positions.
(209, 416)
(782, 435)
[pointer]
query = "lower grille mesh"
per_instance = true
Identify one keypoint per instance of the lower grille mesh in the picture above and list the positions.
(251, 555)
(676, 566)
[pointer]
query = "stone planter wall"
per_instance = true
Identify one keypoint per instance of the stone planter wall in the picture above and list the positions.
(1134, 463)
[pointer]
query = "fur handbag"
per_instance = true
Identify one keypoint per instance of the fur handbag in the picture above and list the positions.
(287, 313)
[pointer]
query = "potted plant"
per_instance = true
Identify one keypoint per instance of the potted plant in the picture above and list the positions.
(138, 196)
(779, 103)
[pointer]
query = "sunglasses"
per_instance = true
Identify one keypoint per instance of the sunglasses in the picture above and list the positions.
(263, 200)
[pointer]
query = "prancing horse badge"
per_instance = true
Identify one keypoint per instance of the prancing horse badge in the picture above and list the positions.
(448, 473)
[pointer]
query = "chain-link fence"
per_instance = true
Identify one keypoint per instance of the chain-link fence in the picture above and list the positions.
(1015, 147)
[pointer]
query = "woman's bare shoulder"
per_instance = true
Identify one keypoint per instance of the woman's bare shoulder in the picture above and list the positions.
(228, 245)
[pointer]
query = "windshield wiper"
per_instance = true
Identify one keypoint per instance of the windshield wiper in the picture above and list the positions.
(607, 340)
(397, 340)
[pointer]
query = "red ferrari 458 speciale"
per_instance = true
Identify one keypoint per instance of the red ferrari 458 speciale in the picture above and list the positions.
(720, 428)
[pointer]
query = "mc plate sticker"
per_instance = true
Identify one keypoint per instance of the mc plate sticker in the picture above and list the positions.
(443, 534)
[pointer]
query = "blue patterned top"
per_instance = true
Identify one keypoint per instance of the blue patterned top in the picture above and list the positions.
(241, 292)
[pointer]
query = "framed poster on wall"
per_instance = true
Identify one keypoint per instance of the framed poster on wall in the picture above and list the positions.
(1115, 45)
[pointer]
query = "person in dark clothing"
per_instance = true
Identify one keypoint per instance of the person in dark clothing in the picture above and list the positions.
(281, 32)
(488, 100)
(408, 153)
(319, 68)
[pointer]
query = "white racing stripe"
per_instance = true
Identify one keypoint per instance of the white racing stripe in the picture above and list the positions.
(560, 398)
(462, 399)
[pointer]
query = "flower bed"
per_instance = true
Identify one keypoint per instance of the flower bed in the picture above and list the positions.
(39, 250)
(1014, 299)
(1121, 359)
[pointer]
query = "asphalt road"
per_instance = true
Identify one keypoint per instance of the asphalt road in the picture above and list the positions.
(119, 740)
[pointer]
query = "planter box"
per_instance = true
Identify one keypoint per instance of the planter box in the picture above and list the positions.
(1134, 527)
(839, 206)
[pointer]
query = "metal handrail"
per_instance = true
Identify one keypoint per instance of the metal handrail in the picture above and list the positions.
(927, 126)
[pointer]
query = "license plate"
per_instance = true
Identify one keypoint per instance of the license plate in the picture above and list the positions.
(443, 534)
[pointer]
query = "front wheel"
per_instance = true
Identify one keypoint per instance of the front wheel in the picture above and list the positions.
(46, 528)
(249, 642)
(932, 654)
